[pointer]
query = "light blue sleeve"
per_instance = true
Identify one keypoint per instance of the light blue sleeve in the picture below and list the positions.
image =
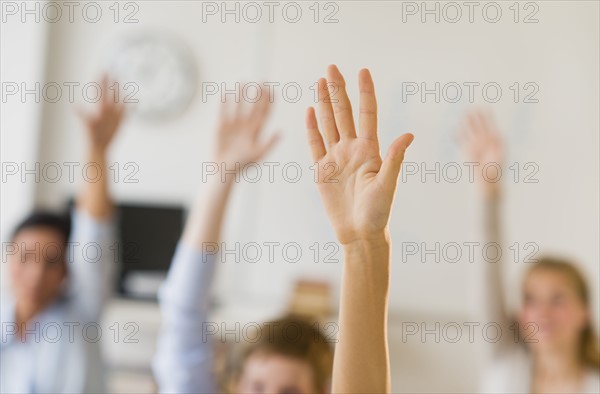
(184, 359)
(91, 262)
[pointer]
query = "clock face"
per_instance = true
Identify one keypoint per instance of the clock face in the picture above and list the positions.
(157, 74)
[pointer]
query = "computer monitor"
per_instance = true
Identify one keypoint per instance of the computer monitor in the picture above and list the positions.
(148, 235)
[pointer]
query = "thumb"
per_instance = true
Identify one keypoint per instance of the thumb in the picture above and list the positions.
(390, 168)
(268, 145)
(83, 115)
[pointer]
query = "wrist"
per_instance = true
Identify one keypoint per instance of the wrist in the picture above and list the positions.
(492, 192)
(225, 169)
(97, 153)
(375, 241)
(368, 260)
(218, 185)
(222, 178)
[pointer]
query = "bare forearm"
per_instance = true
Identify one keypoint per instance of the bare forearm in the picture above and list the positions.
(94, 198)
(206, 218)
(492, 217)
(361, 363)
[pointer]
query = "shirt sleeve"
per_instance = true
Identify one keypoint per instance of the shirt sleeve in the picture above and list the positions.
(494, 309)
(184, 359)
(91, 262)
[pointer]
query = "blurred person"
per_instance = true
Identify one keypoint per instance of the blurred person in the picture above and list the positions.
(59, 282)
(359, 205)
(185, 357)
(290, 355)
(556, 349)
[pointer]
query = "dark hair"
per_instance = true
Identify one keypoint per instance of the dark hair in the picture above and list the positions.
(58, 222)
(294, 337)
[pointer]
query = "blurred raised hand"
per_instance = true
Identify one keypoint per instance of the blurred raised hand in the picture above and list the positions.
(103, 122)
(483, 145)
(238, 143)
(101, 125)
(238, 133)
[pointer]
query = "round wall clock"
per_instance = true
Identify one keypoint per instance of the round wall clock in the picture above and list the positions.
(157, 73)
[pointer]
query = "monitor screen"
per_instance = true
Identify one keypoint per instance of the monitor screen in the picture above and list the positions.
(148, 237)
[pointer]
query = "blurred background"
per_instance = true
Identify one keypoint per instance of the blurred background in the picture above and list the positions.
(533, 64)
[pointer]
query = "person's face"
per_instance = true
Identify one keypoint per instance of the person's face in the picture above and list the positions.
(275, 374)
(553, 315)
(38, 267)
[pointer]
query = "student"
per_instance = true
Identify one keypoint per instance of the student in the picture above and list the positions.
(185, 357)
(556, 350)
(358, 204)
(57, 287)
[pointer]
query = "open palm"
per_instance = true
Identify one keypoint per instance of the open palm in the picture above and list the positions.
(357, 187)
(483, 145)
(103, 123)
(238, 135)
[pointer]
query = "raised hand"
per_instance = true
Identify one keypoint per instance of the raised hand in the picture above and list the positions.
(238, 134)
(483, 145)
(357, 187)
(238, 144)
(103, 124)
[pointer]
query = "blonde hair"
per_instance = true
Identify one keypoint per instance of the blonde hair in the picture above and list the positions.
(590, 351)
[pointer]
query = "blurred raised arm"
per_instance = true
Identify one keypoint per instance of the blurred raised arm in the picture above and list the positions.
(94, 223)
(238, 144)
(101, 127)
(483, 145)
(184, 359)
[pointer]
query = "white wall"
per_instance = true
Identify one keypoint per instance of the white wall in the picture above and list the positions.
(560, 134)
(20, 119)
(371, 35)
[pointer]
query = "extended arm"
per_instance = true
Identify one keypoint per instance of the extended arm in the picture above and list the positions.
(183, 363)
(483, 145)
(93, 233)
(101, 126)
(358, 201)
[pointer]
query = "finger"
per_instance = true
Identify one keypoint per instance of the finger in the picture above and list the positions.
(81, 113)
(238, 104)
(267, 146)
(474, 133)
(473, 127)
(224, 112)
(495, 138)
(390, 168)
(315, 140)
(460, 133)
(367, 117)
(326, 114)
(465, 131)
(85, 117)
(120, 113)
(105, 96)
(480, 122)
(342, 108)
(486, 118)
(259, 113)
(488, 132)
